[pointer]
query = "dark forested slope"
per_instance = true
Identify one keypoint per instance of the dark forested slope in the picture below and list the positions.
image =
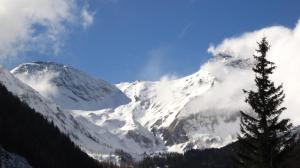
(209, 158)
(29, 134)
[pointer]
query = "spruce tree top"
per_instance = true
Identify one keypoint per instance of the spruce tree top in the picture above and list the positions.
(265, 138)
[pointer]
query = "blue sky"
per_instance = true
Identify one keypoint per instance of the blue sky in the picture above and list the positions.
(142, 39)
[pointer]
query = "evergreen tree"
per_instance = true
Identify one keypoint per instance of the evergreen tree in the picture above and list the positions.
(265, 139)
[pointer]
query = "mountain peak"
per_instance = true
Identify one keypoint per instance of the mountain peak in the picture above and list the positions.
(69, 87)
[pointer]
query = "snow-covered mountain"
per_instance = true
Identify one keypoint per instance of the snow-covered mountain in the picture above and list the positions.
(187, 112)
(69, 87)
(97, 141)
(173, 114)
(89, 140)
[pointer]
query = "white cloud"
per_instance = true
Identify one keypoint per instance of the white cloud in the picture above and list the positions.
(164, 91)
(153, 69)
(87, 18)
(42, 82)
(285, 52)
(225, 97)
(245, 45)
(35, 25)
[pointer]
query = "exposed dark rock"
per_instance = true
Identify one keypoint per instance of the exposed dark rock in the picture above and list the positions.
(144, 141)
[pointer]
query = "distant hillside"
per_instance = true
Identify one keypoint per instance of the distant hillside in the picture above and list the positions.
(29, 134)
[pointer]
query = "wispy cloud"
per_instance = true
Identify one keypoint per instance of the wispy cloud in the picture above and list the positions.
(185, 30)
(41, 82)
(87, 18)
(155, 63)
(192, 1)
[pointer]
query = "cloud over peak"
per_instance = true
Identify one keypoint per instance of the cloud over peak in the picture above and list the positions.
(245, 44)
(284, 51)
